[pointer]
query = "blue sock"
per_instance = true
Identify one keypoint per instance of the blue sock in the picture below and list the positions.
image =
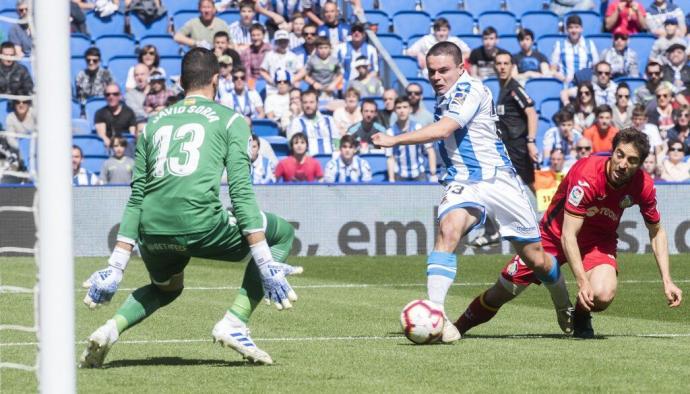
(553, 274)
(440, 272)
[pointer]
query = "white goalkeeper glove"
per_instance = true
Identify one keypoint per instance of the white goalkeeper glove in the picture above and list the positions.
(103, 284)
(276, 287)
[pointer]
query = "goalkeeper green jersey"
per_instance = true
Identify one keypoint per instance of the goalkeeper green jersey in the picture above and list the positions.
(180, 157)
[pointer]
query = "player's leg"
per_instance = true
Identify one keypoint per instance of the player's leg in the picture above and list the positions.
(602, 275)
(491, 235)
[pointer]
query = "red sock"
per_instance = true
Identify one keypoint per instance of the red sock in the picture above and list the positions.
(477, 313)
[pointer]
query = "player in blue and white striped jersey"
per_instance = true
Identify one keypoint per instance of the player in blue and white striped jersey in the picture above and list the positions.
(347, 167)
(479, 180)
(406, 162)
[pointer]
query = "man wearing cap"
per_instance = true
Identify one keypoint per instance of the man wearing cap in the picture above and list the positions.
(279, 58)
(366, 83)
(349, 51)
(667, 39)
(574, 53)
(622, 59)
(660, 11)
(676, 70)
(625, 17)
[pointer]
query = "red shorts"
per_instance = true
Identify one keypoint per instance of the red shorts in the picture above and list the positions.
(518, 273)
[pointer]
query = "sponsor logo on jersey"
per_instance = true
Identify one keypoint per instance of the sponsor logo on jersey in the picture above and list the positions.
(525, 230)
(626, 202)
(608, 212)
(576, 195)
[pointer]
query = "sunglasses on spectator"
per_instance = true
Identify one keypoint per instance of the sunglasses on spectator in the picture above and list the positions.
(112, 94)
(309, 34)
(23, 9)
(654, 73)
(237, 77)
(23, 101)
(151, 52)
(603, 72)
(93, 60)
(663, 95)
(684, 115)
(585, 93)
(588, 148)
(283, 81)
(623, 95)
(414, 92)
(676, 149)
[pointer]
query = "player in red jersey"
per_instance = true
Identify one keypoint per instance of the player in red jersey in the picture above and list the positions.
(579, 227)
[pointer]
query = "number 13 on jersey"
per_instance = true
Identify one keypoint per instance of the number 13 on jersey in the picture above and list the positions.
(184, 161)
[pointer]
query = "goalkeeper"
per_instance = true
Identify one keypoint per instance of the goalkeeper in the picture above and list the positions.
(174, 213)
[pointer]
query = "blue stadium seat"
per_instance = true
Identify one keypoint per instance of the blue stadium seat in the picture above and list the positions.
(592, 23)
(4, 110)
(519, 7)
(164, 44)
(601, 41)
(382, 176)
(176, 5)
(633, 83)
(540, 89)
(430, 103)
(461, 22)
(540, 22)
(230, 16)
(546, 42)
(509, 42)
(181, 17)
(377, 161)
(380, 18)
(77, 63)
(279, 145)
(92, 105)
(369, 4)
(323, 159)
(503, 21)
(172, 65)
(543, 125)
(392, 42)
(477, 7)
(93, 163)
(80, 126)
(25, 151)
(642, 45)
(549, 107)
(494, 86)
(264, 128)
(115, 45)
(90, 144)
(435, 7)
(408, 23)
(394, 6)
(8, 12)
(407, 65)
(78, 44)
(119, 67)
(114, 24)
(140, 29)
(472, 40)
(76, 109)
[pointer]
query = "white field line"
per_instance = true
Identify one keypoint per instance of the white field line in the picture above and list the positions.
(328, 339)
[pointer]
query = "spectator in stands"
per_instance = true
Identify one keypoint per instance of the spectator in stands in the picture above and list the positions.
(387, 114)
(91, 82)
(562, 7)
(135, 98)
(323, 71)
(278, 13)
(299, 166)
(622, 59)
(665, 40)
(681, 128)
(674, 168)
(419, 112)
(369, 126)
(676, 69)
(280, 58)
(441, 32)
(659, 12)
(296, 35)
(623, 109)
(483, 59)
(102, 8)
(625, 17)
(348, 167)
(604, 87)
(546, 180)
(349, 51)
(148, 56)
(333, 29)
(20, 34)
(199, 32)
(81, 176)
(574, 53)
(601, 133)
(158, 94)
(662, 114)
(77, 18)
(277, 106)
(10, 160)
(584, 106)
(241, 98)
(146, 10)
(645, 94)
(318, 128)
(253, 56)
(529, 62)
(583, 148)
(563, 136)
(22, 119)
(639, 123)
(346, 116)
(225, 85)
(221, 46)
(649, 166)
(312, 9)
(263, 167)
(295, 103)
(405, 163)
(239, 30)
(307, 49)
(366, 83)
(115, 118)
(118, 168)
(14, 77)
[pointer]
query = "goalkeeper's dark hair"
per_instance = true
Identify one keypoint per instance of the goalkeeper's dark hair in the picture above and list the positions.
(446, 48)
(631, 136)
(198, 68)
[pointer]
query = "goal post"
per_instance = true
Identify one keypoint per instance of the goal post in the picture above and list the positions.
(57, 362)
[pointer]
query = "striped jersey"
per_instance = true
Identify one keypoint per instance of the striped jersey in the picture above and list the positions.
(474, 151)
(85, 177)
(263, 170)
(322, 135)
(572, 58)
(409, 159)
(337, 171)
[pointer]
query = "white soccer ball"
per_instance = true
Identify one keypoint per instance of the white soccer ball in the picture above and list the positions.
(422, 322)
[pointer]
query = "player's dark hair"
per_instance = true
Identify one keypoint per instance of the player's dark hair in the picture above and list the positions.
(631, 136)
(446, 48)
(298, 136)
(563, 116)
(489, 31)
(402, 99)
(347, 139)
(199, 65)
(525, 33)
(440, 23)
(369, 101)
(600, 109)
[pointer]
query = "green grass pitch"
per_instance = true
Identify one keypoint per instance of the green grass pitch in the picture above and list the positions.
(343, 334)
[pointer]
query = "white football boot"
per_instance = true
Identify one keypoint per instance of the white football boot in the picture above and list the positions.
(98, 345)
(450, 332)
(233, 333)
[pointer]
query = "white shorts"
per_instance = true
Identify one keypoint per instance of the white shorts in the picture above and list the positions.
(502, 197)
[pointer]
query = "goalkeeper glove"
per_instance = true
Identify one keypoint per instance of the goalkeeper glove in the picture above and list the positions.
(103, 284)
(275, 285)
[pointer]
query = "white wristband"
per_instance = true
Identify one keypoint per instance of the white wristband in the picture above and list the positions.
(261, 253)
(119, 258)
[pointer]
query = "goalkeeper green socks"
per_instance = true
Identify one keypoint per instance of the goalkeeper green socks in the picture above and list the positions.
(141, 304)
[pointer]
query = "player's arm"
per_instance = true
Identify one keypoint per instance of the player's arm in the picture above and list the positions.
(572, 225)
(659, 241)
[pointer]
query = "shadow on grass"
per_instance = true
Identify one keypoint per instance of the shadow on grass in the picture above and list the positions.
(174, 362)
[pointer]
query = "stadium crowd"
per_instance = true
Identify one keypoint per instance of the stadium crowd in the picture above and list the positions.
(309, 81)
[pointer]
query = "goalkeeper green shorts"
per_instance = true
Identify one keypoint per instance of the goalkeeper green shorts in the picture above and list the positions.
(167, 255)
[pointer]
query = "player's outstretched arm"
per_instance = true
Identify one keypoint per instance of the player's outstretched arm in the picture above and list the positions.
(571, 227)
(433, 132)
(659, 241)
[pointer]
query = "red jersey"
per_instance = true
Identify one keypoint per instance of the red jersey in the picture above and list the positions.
(586, 192)
(292, 171)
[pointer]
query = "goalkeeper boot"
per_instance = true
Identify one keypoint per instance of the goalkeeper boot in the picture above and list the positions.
(98, 345)
(450, 332)
(582, 325)
(565, 319)
(233, 333)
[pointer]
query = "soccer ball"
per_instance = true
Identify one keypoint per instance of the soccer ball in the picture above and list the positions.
(422, 322)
